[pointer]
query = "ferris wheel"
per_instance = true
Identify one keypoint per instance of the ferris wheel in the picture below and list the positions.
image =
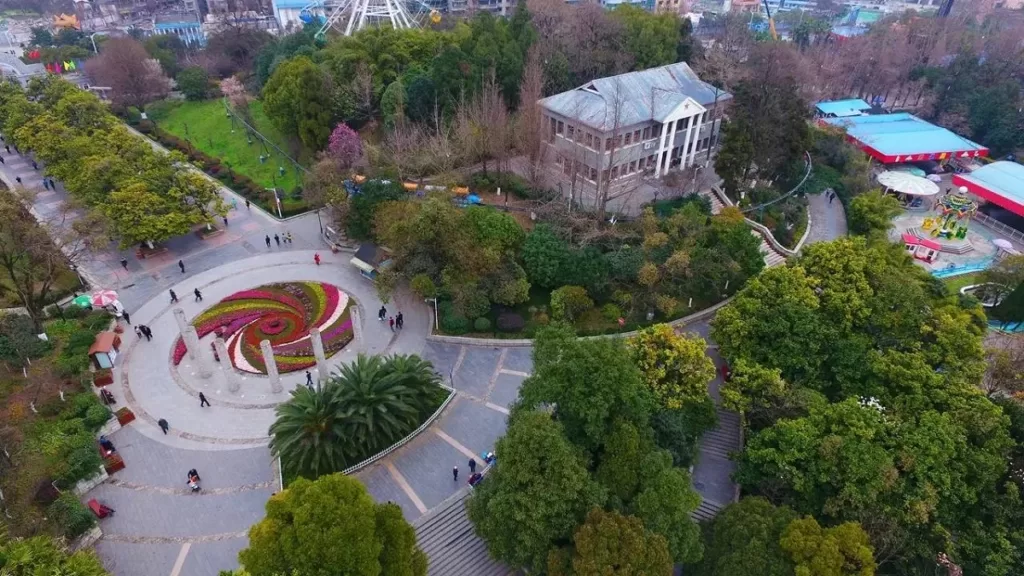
(350, 16)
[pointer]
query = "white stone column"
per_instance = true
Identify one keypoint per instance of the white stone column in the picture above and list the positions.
(684, 153)
(183, 328)
(661, 149)
(268, 359)
(671, 144)
(318, 353)
(700, 124)
(225, 365)
(198, 361)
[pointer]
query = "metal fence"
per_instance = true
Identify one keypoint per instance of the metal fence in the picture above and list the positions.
(988, 221)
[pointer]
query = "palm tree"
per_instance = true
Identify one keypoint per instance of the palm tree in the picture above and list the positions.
(363, 408)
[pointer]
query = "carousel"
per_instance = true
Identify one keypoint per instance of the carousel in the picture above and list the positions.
(955, 211)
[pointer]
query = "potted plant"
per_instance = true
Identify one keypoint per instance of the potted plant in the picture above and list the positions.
(102, 378)
(124, 416)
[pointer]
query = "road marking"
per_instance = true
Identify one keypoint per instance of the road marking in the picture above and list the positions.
(455, 443)
(181, 559)
(497, 371)
(404, 485)
(515, 373)
(497, 408)
(457, 366)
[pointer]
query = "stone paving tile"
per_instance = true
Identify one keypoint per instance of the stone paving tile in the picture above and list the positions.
(474, 375)
(473, 425)
(152, 463)
(124, 559)
(443, 356)
(184, 516)
(426, 463)
(382, 486)
(209, 558)
(506, 390)
(712, 477)
(519, 359)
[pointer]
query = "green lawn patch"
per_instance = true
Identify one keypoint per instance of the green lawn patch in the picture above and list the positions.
(955, 283)
(208, 128)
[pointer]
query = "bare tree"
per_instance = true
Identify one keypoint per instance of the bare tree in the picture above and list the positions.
(529, 119)
(133, 77)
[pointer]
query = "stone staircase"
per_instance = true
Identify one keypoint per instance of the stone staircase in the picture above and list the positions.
(724, 439)
(771, 256)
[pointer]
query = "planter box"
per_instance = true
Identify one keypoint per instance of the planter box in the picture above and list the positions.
(143, 253)
(102, 378)
(113, 463)
(124, 416)
(203, 233)
(83, 486)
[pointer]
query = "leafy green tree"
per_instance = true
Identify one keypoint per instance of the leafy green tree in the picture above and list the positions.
(536, 496)
(364, 407)
(544, 254)
(625, 461)
(651, 39)
(873, 212)
(568, 302)
(610, 543)
(674, 367)
(843, 550)
(665, 504)
(166, 49)
(194, 83)
(44, 555)
(296, 98)
(744, 539)
(588, 383)
(362, 208)
(680, 431)
(301, 533)
(41, 37)
(392, 104)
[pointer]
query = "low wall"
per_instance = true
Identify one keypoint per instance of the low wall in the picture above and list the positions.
(83, 486)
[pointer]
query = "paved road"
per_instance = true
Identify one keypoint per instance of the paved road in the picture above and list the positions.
(828, 220)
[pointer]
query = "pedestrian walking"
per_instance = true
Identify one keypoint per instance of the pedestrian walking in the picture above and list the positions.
(181, 264)
(225, 221)
(391, 323)
(316, 258)
(382, 313)
(163, 425)
(8, 148)
(34, 165)
(18, 179)
(455, 474)
(202, 400)
(124, 263)
(399, 320)
(127, 318)
(53, 185)
(147, 332)
(247, 204)
(174, 297)
(46, 184)
(138, 332)
(277, 239)
(309, 378)
(199, 295)
(2, 161)
(831, 196)
(234, 204)
(288, 237)
(267, 240)
(472, 466)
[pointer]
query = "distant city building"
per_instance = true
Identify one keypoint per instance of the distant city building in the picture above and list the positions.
(612, 132)
(289, 16)
(185, 25)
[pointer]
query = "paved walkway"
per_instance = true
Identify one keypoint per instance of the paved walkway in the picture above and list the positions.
(828, 220)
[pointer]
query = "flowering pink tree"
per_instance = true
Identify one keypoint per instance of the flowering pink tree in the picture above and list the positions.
(345, 146)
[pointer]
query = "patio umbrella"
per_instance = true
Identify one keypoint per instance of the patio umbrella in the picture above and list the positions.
(103, 298)
(82, 301)
(907, 183)
(1003, 243)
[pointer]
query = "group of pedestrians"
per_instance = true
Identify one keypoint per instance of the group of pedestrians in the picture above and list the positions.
(396, 321)
(143, 331)
(286, 238)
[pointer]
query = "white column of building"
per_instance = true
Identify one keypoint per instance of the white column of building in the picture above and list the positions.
(671, 144)
(661, 148)
(700, 123)
(686, 143)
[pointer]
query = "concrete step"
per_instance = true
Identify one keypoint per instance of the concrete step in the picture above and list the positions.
(706, 511)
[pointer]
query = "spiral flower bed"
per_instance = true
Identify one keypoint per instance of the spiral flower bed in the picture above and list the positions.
(283, 314)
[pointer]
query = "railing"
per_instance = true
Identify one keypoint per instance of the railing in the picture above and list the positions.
(426, 424)
(963, 269)
(998, 226)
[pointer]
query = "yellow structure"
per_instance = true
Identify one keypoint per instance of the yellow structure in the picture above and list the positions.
(67, 21)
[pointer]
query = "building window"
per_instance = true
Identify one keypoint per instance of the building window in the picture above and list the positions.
(655, 130)
(561, 127)
(647, 133)
(632, 166)
(636, 135)
(567, 169)
(570, 131)
(590, 140)
(558, 160)
(607, 144)
(604, 175)
(618, 141)
(629, 138)
(615, 172)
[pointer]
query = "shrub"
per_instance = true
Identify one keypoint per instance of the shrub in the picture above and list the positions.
(18, 339)
(510, 322)
(96, 321)
(296, 193)
(451, 321)
(482, 325)
(611, 312)
(72, 516)
(568, 302)
(133, 115)
(423, 286)
(75, 312)
(96, 417)
(145, 126)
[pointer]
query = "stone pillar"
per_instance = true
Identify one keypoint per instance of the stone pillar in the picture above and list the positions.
(661, 148)
(696, 137)
(225, 365)
(268, 359)
(671, 145)
(198, 361)
(183, 327)
(683, 152)
(318, 353)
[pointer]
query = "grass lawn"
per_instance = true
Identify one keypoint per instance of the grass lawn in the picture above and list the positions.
(955, 283)
(209, 130)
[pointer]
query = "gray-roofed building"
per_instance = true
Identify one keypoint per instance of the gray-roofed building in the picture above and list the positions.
(446, 536)
(611, 132)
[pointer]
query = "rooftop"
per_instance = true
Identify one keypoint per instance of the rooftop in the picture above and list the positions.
(843, 108)
(645, 95)
(903, 137)
(999, 182)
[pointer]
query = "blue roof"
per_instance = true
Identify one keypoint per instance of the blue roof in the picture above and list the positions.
(294, 4)
(843, 108)
(904, 134)
(1003, 177)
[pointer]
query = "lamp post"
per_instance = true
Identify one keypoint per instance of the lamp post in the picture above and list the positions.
(320, 222)
(92, 37)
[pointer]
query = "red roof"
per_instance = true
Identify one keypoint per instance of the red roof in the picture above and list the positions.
(909, 238)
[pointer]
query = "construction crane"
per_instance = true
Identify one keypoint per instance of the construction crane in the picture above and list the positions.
(771, 21)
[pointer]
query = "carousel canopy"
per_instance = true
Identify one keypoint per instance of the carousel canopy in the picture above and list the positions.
(907, 183)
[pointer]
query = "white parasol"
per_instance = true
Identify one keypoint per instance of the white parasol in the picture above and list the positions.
(906, 183)
(1003, 243)
(102, 298)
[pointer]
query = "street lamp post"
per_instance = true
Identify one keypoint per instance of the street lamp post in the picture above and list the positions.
(320, 222)
(92, 37)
